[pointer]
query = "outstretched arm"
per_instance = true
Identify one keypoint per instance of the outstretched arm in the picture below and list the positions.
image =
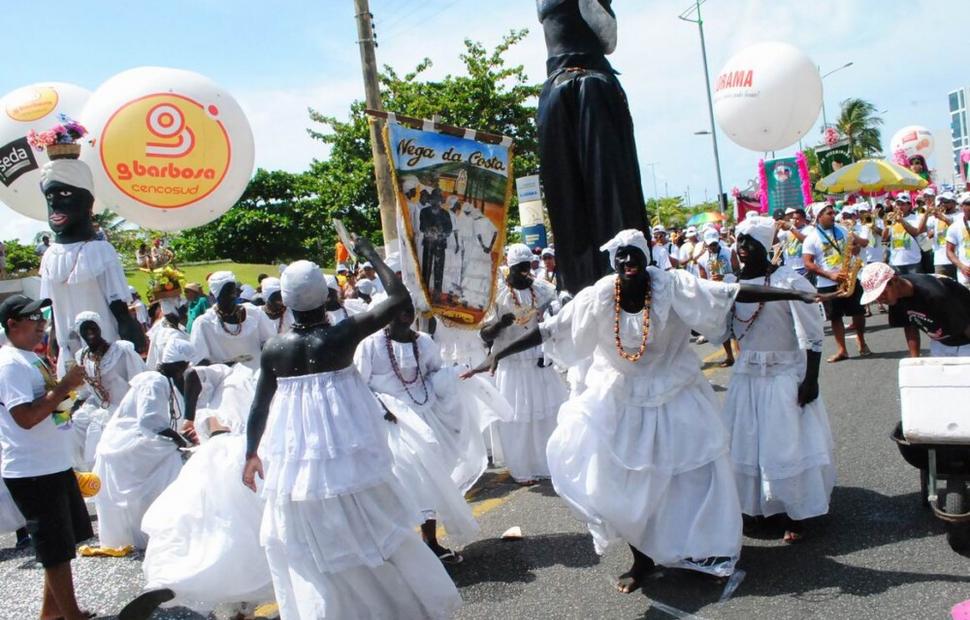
(532, 338)
(755, 293)
(366, 323)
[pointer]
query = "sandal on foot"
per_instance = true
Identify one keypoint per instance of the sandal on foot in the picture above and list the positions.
(147, 602)
(865, 351)
(726, 364)
(837, 358)
(447, 556)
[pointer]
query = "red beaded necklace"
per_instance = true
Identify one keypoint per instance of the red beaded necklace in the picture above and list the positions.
(418, 375)
(635, 357)
(750, 320)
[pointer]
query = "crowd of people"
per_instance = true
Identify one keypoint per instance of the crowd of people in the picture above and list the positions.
(301, 440)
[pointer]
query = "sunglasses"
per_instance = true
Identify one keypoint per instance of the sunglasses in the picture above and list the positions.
(33, 316)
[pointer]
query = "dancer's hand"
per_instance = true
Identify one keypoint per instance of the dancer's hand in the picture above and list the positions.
(489, 365)
(253, 466)
(807, 392)
(188, 430)
(390, 417)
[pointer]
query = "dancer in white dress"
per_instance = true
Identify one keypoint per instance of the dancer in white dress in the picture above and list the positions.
(338, 527)
(275, 311)
(108, 369)
(230, 333)
(533, 388)
(641, 455)
(138, 456)
(781, 443)
(438, 451)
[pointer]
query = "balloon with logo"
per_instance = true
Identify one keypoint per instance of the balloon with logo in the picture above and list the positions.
(913, 140)
(172, 149)
(37, 107)
(767, 96)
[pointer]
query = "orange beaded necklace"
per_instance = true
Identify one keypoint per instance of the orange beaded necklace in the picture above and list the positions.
(634, 357)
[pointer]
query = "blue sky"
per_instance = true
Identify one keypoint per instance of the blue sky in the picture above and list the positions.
(279, 58)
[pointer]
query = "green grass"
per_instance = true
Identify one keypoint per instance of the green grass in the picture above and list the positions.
(245, 273)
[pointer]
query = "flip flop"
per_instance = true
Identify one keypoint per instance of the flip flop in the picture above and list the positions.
(143, 606)
(447, 556)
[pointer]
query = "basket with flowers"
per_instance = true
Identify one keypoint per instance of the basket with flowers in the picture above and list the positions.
(60, 141)
(165, 282)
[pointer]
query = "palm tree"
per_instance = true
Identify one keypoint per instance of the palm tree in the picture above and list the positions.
(860, 123)
(109, 221)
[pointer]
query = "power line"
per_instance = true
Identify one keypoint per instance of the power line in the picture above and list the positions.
(402, 30)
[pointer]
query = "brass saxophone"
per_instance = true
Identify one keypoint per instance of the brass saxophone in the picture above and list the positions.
(851, 264)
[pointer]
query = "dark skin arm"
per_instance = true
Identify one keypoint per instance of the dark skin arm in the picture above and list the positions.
(490, 333)
(128, 327)
(808, 388)
(366, 323)
(755, 293)
(193, 388)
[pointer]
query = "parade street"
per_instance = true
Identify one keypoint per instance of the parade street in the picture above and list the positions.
(878, 554)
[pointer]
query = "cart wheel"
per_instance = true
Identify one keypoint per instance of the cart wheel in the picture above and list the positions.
(957, 534)
(924, 488)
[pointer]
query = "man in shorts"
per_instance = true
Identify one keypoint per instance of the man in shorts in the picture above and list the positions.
(35, 440)
(822, 254)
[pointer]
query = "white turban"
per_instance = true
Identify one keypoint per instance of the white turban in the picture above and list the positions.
(270, 286)
(84, 317)
(518, 253)
(332, 282)
(177, 350)
(626, 238)
(303, 286)
(408, 183)
(247, 292)
(219, 280)
(73, 172)
(759, 228)
(366, 287)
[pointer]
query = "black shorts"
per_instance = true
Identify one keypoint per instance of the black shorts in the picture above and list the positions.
(905, 270)
(56, 516)
(949, 271)
(840, 307)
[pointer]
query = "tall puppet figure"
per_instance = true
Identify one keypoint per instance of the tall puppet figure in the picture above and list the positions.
(78, 272)
(588, 156)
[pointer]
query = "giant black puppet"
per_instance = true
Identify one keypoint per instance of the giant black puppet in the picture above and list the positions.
(587, 152)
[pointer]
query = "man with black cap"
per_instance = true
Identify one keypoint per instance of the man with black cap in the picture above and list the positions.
(35, 452)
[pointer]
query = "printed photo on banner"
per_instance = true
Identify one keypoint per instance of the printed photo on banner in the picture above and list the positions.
(453, 196)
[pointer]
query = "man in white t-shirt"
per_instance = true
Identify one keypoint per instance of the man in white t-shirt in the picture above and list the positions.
(905, 255)
(791, 236)
(958, 241)
(822, 253)
(691, 251)
(873, 225)
(666, 254)
(941, 218)
(35, 453)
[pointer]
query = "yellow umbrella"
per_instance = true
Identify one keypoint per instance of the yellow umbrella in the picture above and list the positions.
(871, 175)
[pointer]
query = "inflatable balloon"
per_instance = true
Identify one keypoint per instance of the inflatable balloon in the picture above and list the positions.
(36, 107)
(767, 96)
(913, 140)
(172, 150)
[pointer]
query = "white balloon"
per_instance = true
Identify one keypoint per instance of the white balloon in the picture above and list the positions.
(31, 107)
(172, 150)
(913, 140)
(767, 96)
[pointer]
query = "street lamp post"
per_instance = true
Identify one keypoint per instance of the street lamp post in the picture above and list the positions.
(685, 16)
(653, 173)
(825, 122)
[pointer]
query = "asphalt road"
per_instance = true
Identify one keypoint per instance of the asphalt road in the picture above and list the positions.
(878, 554)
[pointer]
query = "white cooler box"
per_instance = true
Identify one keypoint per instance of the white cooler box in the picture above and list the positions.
(934, 394)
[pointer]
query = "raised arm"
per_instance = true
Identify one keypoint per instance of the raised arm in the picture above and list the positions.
(366, 323)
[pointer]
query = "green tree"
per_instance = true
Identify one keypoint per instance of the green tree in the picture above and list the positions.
(860, 123)
(489, 95)
(21, 258)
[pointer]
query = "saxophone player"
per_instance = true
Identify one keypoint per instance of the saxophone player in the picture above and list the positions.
(823, 252)
(943, 215)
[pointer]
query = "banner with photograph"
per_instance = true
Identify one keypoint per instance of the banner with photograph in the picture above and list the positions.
(785, 183)
(453, 195)
(831, 158)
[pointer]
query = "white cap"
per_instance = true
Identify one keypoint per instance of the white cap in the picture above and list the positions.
(929, 191)
(366, 287)
(331, 282)
(946, 196)
(548, 252)
(691, 230)
(270, 286)
(659, 228)
(788, 211)
(73, 172)
(367, 265)
(177, 350)
(761, 229)
(710, 236)
(219, 280)
(303, 286)
(903, 197)
(518, 253)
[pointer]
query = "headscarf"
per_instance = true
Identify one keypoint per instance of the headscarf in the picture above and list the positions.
(177, 350)
(626, 238)
(247, 292)
(303, 286)
(518, 253)
(219, 280)
(270, 286)
(84, 317)
(73, 172)
(759, 228)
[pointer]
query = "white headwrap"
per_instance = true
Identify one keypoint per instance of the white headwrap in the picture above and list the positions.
(247, 292)
(303, 286)
(73, 172)
(219, 280)
(177, 350)
(518, 253)
(760, 228)
(270, 286)
(366, 287)
(408, 183)
(332, 282)
(84, 317)
(626, 238)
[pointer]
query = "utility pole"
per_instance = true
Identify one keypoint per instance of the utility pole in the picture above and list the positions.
(386, 196)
